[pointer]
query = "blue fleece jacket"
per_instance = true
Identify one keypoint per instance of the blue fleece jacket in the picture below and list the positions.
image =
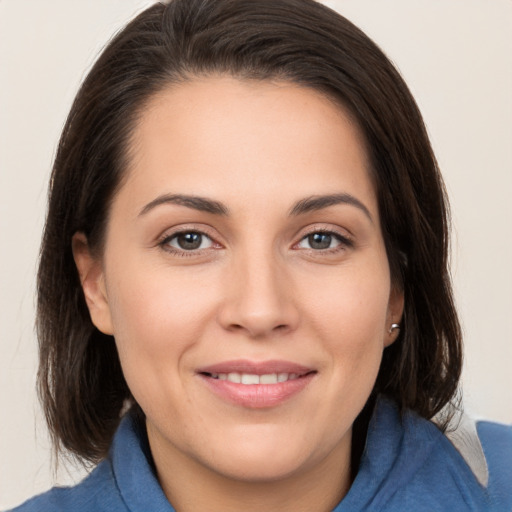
(408, 465)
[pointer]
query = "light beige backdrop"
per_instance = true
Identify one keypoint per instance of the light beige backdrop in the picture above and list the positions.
(456, 57)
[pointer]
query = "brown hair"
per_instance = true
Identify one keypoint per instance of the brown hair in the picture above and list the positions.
(81, 384)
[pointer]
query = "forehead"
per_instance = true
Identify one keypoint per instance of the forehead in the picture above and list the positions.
(238, 139)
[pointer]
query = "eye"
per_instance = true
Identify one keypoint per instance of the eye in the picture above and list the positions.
(189, 241)
(322, 240)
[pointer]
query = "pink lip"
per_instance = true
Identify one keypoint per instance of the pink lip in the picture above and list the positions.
(257, 396)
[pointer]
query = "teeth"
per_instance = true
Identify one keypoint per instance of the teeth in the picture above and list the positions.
(234, 377)
(251, 378)
(270, 378)
(248, 378)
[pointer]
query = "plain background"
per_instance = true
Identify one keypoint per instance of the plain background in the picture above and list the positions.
(455, 56)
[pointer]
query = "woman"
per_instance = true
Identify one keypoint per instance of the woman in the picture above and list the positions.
(243, 288)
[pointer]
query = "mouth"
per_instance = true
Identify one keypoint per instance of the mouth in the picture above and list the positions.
(256, 384)
(250, 379)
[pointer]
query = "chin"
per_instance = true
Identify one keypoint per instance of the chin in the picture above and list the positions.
(267, 454)
(259, 468)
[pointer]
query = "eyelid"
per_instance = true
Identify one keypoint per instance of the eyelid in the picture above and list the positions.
(345, 239)
(169, 240)
(342, 235)
(169, 234)
(333, 229)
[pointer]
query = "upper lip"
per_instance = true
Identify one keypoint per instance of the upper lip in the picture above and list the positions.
(256, 367)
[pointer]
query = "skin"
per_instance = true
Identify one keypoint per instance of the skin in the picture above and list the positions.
(257, 289)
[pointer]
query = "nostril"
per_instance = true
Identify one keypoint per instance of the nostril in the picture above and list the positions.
(257, 316)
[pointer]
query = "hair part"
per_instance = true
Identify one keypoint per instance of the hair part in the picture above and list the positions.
(80, 380)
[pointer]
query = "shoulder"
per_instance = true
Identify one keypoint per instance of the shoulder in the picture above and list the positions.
(496, 441)
(125, 477)
(411, 464)
(97, 492)
(486, 449)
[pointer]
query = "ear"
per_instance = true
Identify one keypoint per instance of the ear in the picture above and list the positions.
(92, 280)
(394, 316)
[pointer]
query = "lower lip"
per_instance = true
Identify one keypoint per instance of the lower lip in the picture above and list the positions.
(257, 396)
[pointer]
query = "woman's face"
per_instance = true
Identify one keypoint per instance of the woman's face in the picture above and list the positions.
(245, 279)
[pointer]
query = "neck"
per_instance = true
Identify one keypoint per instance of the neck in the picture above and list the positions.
(190, 486)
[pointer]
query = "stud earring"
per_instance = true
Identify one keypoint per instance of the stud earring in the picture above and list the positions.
(394, 327)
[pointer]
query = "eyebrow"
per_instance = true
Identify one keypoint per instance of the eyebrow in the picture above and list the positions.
(197, 203)
(306, 205)
(314, 203)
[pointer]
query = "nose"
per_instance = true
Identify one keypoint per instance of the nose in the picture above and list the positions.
(259, 298)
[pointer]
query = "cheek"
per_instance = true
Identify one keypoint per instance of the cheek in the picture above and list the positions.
(352, 305)
(158, 317)
(350, 316)
(156, 302)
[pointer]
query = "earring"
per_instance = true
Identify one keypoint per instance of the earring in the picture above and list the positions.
(394, 327)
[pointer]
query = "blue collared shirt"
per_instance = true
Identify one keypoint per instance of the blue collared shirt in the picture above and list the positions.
(408, 465)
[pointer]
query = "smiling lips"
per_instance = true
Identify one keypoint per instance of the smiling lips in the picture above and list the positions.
(256, 385)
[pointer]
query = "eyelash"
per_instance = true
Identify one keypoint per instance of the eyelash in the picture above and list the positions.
(164, 243)
(344, 242)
